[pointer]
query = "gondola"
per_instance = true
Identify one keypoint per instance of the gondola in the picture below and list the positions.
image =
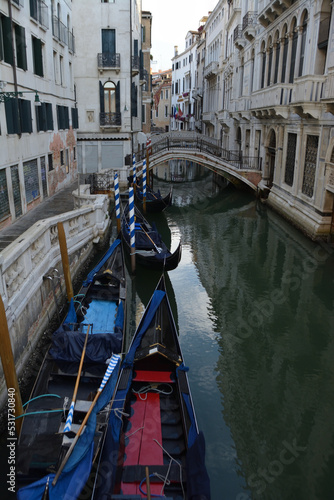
(88, 342)
(152, 430)
(151, 251)
(155, 202)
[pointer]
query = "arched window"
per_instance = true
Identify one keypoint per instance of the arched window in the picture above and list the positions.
(263, 71)
(293, 51)
(109, 97)
(252, 72)
(285, 53)
(270, 60)
(277, 56)
(303, 44)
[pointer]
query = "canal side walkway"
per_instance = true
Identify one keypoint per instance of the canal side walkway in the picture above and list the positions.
(57, 204)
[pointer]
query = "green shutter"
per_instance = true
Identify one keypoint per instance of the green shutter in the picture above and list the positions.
(12, 116)
(118, 98)
(49, 117)
(7, 39)
(25, 116)
(37, 56)
(20, 40)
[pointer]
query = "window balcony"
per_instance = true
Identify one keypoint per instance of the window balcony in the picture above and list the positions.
(306, 96)
(328, 92)
(60, 31)
(211, 69)
(108, 61)
(110, 120)
(238, 39)
(135, 65)
(272, 101)
(249, 22)
(273, 10)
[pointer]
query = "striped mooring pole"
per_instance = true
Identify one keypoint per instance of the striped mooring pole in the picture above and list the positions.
(144, 186)
(134, 171)
(132, 230)
(117, 205)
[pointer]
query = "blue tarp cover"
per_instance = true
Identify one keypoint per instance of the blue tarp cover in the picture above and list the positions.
(77, 470)
(96, 269)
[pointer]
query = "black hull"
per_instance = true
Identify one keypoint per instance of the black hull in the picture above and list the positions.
(153, 413)
(156, 205)
(42, 444)
(151, 251)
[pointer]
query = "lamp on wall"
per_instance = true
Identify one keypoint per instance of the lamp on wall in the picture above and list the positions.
(5, 96)
(126, 108)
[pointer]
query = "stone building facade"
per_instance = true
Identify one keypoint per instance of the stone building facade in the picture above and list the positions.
(109, 79)
(161, 108)
(268, 95)
(38, 113)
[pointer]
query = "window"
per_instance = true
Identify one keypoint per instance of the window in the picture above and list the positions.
(107, 1)
(278, 49)
(303, 45)
(270, 61)
(263, 67)
(20, 42)
(108, 42)
(61, 68)
(109, 97)
(75, 118)
(6, 47)
(310, 164)
(18, 116)
(166, 94)
(285, 57)
(37, 55)
(44, 117)
(290, 159)
(134, 99)
(61, 157)
(4, 201)
(63, 117)
(293, 55)
(50, 162)
(143, 113)
(166, 111)
(31, 184)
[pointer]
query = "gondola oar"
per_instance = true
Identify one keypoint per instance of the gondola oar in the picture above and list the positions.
(69, 419)
(149, 237)
(110, 369)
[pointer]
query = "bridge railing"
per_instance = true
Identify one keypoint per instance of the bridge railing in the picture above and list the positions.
(200, 144)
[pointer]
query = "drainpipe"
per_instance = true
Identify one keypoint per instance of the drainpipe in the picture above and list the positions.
(14, 64)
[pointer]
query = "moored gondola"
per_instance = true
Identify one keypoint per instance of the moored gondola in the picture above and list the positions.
(153, 440)
(155, 202)
(56, 446)
(151, 251)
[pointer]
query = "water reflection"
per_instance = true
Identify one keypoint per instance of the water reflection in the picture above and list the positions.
(266, 293)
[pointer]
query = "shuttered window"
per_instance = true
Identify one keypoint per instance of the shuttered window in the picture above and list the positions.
(75, 119)
(20, 41)
(7, 39)
(37, 55)
(25, 116)
(31, 184)
(18, 116)
(63, 117)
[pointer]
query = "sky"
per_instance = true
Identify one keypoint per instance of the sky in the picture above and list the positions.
(172, 19)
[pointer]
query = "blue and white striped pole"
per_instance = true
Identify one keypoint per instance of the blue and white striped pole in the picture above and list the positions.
(112, 364)
(117, 205)
(144, 186)
(132, 229)
(134, 171)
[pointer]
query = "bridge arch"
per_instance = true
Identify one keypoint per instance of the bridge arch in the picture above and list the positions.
(242, 171)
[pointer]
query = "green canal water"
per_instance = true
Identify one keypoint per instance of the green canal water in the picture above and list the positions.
(253, 301)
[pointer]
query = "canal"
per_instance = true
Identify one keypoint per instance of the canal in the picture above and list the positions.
(254, 304)
(253, 301)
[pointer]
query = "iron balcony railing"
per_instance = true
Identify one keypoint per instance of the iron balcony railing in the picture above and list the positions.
(19, 3)
(135, 63)
(237, 32)
(108, 60)
(110, 119)
(249, 19)
(59, 30)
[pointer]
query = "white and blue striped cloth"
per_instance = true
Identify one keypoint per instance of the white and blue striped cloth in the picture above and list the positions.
(132, 218)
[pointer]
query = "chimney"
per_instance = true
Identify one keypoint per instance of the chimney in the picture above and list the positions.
(176, 50)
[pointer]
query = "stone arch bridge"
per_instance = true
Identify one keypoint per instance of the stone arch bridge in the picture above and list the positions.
(242, 171)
